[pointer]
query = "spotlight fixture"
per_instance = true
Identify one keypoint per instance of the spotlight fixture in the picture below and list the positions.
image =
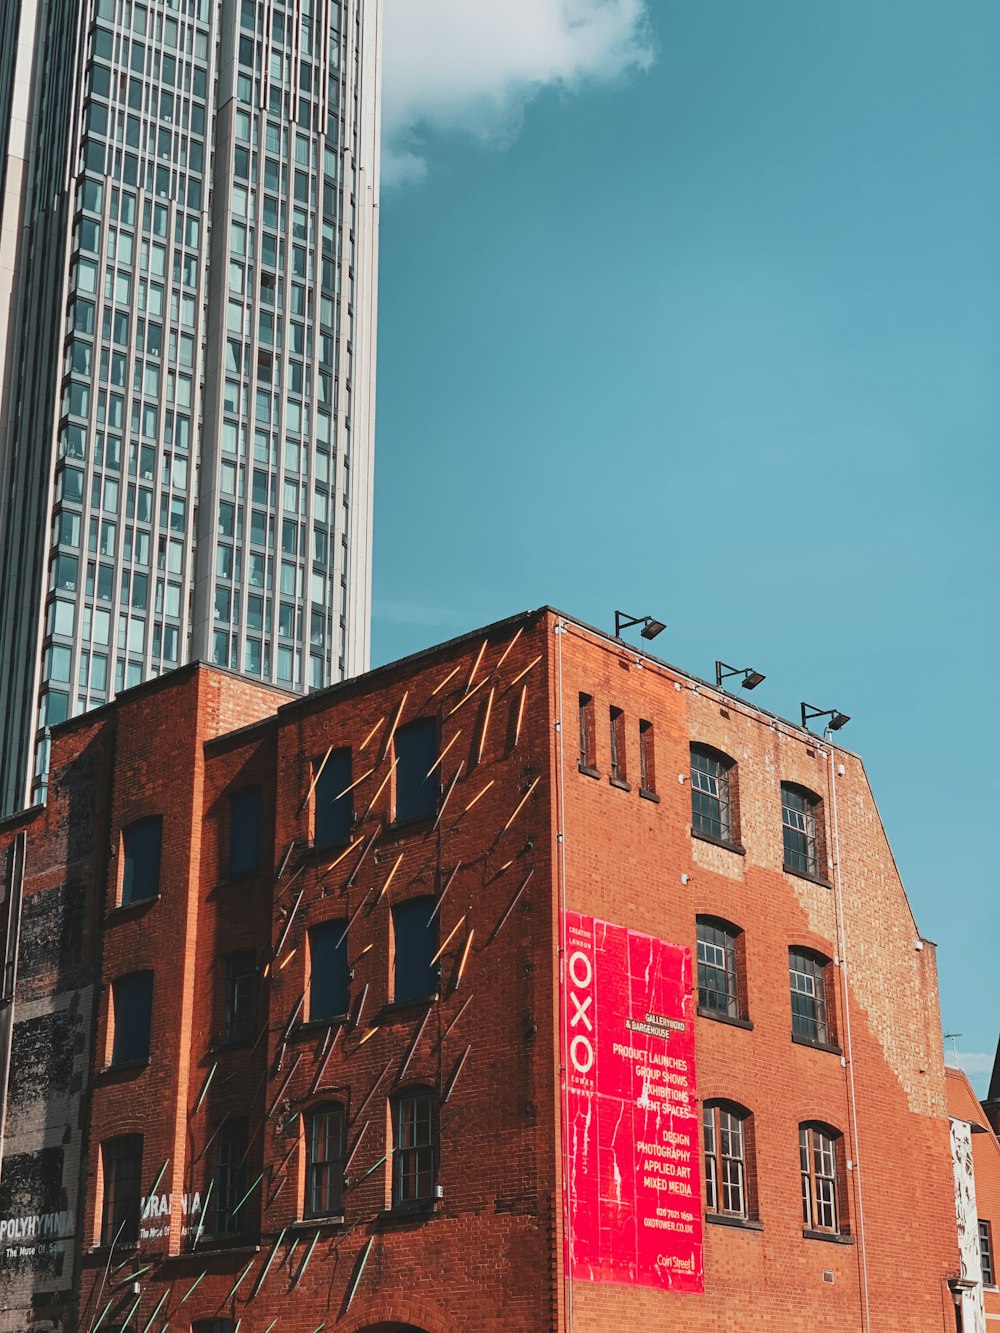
(837, 719)
(650, 626)
(751, 679)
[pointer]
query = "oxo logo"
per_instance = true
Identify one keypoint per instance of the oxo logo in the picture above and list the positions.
(581, 1025)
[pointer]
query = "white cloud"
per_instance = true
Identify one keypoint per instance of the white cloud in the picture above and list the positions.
(472, 66)
(975, 1062)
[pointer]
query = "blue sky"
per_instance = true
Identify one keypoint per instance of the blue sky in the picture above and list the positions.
(694, 309)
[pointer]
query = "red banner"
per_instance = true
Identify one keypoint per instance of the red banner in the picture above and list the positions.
(632, 1187)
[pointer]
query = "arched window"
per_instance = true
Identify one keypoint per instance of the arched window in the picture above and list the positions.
(802, 830)
(714, 804)
(324, 1128)
(810, 977)
(822, 1167)
(414, 1147)
(722, 991)
(730, 1179)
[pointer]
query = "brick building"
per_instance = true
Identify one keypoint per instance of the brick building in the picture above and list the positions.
(301, 1012)
(976, 1162)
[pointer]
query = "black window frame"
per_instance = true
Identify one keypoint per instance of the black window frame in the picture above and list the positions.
(647, 758)
(326, 1131)
(142, 860)
(588, 736)
(812, 997)
(414, 1148)
(231, 1176)
(722, 990)
(726, 1125)
(714, 795)
(409, 972)
(986, 1261)
(131, 1018)
(416, 785)
(245, 827)
(121, 1201)
(333, 807)
(239, 1011)
(802, 831)
(321, 937)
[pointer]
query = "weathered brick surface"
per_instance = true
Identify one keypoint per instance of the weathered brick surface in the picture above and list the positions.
(488, 1255)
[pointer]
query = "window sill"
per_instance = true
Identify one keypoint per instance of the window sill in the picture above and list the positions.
(831, 1237)
(219, 1245)
(419, 1211)
(400, 826)
(238, 877)
(401, 1008)
(649, 795)
(315, 1025)
(124, 1067)
(732, 1021)
(806, 874)
(719, 842)
(830, 1047)
(223, 1045)
(586, 770)
(125, 911)
(620, 783)
(327, 1221)
(740, 1223)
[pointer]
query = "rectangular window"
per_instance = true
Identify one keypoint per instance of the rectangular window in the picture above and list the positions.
(415, 939)
(986, 1253)
(710, 796)
(799, 828)
(325, 1161)
(244, 832)
(231, 1174)
(807, 973)
(121, 1164)
(333, 811)
(618, 765)
(647, 759)
(141, 844)
(329, 975)
(588, 756)
(416, 786)
(725, 1162)
(413, 1157)
(132, 1010)
(818, 1167)
(240, 1015)
(717, 971)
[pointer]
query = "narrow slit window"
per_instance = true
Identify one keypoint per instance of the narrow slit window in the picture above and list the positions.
(240, 1016)
(414, 1148)
(619, 767)
(325, 1161)
(333, 810)
(121, 1164)
(588, 755)
(647, 758)
(244, 832)
(329, 976)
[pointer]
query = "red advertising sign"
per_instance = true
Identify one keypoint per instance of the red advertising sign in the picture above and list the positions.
(632, 1188)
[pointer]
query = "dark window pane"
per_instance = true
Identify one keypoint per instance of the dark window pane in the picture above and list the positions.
(141, 874)
(798, 828)
(329, 980)
(710, 804)
(413, 1158)
(121, 1160)
(231, 1177)
(244, 831)
(241, 996)
(325, 1161)
(717, 990)
(334, 806)
(416, 786)
(132, 1003)
(416, 940)
(807, 978)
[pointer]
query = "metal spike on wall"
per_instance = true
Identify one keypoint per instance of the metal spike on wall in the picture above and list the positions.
(328, 1051)
(520, 805)
(369, 1034)
(368, 739)
(357, 1144)
(356, 783)
(286, 857)
(371, 1093)
(358, 1273)
(102, 1316)
(381, 788)
(479, 796)
(271, 1325)
(385, 887)
(520, 716)
(460, 1065)
(204, 1214)
(360, 1008)
(466, 697)
(512, 904)
(287, 959)
(332, 865)
(450, 676)
(288, 923)
(354, 916)
(441, 896)
(204, 1089)
(464, 959)
(372, 1169)
(197, 1282)
(315, 779)
(454, 1021)
(239, 1282)
(486, 724)
(361, 860)
(267, 1265)
(135, 1305)
(507, 651)
(475, 665)
(441, 756)
(530, 667)
(387, 743)
(447, 796)
(454, 931)
(159, 1306)
(305, 1261)
(281, 1091)
(413, 1046)
(248, 1193)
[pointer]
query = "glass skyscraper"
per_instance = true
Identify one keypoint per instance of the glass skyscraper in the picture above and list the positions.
(188, 265)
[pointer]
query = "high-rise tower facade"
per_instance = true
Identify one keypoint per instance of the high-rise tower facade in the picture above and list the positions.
(188, 265)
